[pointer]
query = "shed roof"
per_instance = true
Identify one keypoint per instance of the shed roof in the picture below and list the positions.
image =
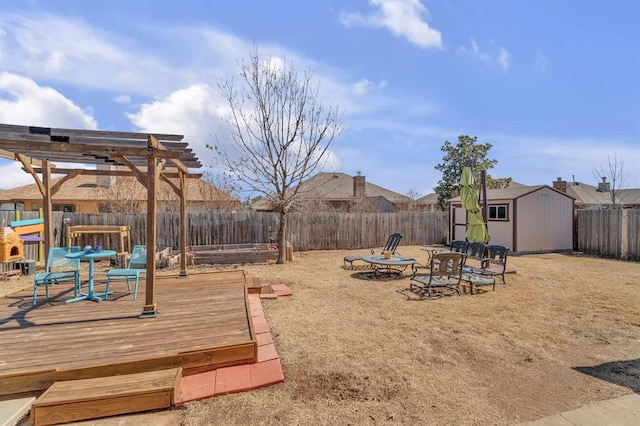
(514, 193)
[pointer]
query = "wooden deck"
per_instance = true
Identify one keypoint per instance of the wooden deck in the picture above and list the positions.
(203, 323)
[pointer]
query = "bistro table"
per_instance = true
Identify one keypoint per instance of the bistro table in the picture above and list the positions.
(395, 264)
(432, 250)
(89, 255)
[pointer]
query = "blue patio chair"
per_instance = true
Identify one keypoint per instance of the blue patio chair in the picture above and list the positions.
(136, 266)
(58, 269)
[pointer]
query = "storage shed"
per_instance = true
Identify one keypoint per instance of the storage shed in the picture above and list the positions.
(526, 219)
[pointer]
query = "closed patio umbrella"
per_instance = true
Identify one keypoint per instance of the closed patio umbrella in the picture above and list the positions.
(476, 229)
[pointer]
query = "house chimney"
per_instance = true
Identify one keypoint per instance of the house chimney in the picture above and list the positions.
(560, 185)
(604, 186)
(359, 190)
(106, 181)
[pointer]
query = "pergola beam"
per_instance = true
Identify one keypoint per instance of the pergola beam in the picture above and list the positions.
(10, 128)
(125, 173)
(38, 148)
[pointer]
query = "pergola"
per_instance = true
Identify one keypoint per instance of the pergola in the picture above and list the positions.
(149, 158)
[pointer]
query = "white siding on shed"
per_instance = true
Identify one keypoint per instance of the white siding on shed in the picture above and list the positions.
(544, 221)
(501, 231)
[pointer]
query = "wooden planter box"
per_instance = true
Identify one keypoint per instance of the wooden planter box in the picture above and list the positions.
(237, 253)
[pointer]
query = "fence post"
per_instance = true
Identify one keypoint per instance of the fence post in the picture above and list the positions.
(624, 239)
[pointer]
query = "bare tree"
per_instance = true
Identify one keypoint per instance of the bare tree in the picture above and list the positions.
(123, 195)
(281, 132)
(414, 194)
(218, 192)
(614, 171)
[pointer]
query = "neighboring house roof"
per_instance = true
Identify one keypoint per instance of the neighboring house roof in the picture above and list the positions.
(335, 187)
(374, 205)
(588, 195)
(428, 199)
(339, 187)
(513, 193)
(514, 184)
(85, 188)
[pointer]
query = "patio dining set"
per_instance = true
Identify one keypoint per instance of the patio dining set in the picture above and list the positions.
(63, 266)
(446, 268)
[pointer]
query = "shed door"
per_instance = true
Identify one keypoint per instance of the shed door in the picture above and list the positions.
(459, 223)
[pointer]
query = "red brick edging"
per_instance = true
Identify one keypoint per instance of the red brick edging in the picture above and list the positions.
(240, 378)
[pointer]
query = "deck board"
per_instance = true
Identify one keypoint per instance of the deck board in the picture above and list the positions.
(203, 322)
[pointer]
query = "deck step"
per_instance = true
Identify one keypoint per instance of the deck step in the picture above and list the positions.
(75, 400)
(254, 285)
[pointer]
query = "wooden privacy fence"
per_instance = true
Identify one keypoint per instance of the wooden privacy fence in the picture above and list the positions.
(306, 231)
(331, 231)
(609, 232)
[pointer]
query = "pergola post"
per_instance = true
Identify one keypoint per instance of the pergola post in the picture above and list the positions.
(150, 307)
(47, 208)
(183, 226)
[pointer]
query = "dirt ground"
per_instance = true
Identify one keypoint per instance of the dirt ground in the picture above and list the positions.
(562, 333)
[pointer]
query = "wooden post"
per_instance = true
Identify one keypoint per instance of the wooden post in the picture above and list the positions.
(624, 237)
(485, 207)
(40, 244)
(47, 208)
(150, 309)
(183, 226)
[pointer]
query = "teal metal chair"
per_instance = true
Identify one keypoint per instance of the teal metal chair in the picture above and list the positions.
(58, 269)
(136, 266)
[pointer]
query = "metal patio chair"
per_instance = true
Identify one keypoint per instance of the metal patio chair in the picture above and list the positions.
(57, 270)
(136, 266)
(445, 271)
(390, 246)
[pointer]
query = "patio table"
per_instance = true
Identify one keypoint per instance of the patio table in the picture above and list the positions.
(395, 264)
(89, 255)
(432, 250)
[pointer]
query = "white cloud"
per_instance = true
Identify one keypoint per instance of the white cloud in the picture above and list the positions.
(122, 99)
(364, 86)
(402, 17)
(361, 87)
(191, 55)
(24, 102)
(196, 112)
(473, 51)
(193, 112)
(76, 53)
(502, 57)
(13, 175)
(540, 63)
(565, 157)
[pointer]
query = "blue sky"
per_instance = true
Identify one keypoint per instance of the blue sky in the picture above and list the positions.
(553, 85)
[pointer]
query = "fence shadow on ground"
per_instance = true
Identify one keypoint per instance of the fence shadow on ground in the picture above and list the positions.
(622, 373)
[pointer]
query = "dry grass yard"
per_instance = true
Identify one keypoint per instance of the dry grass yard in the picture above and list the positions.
(563, 332)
